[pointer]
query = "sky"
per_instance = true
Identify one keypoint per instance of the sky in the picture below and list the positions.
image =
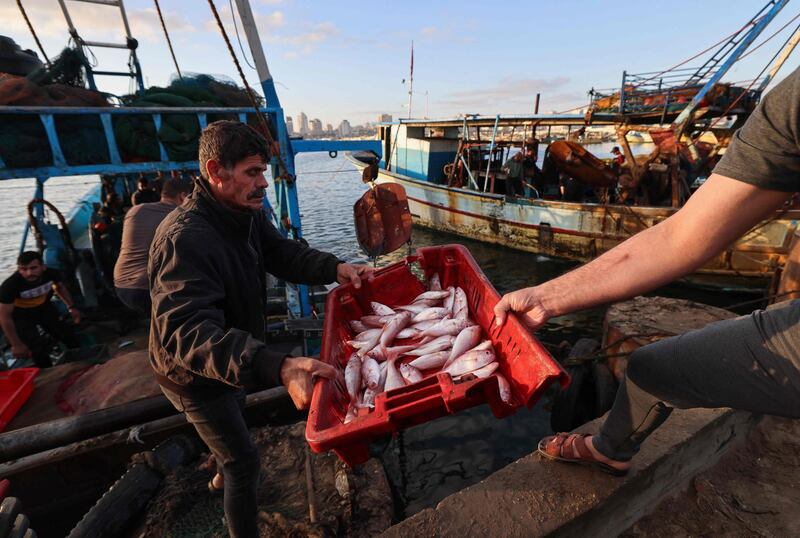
(347, 59)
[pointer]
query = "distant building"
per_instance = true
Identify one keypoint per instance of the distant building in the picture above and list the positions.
(328, 128)
(289, 125)
(384, 118)
(345, 129)
(316, 127)
(302, 124)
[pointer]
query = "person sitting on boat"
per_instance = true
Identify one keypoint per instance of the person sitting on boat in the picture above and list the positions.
(530, 172)
(207, 274)
(25, 304)
(514, 169)
(144, 193)
(138, 230)
(618, 157)
(750, 363)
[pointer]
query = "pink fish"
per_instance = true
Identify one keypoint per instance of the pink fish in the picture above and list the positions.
(431, 295)
(427, 303)
(367, 335)
(408, 332)
(381, 309)
(484, 372)
(393, 327)
(465, 340)
(440, 344)
(351, 413)
(469, 362)
(431, 313)
(358, 326)
(460, 305)
(413, 308)
(393, 378)
(370, 372)
(376, 321)
(430, 361)
(352, 376)
(410, 374)
(380, 353)
(450, 299)
(382, 381)
(434, 284)
(368, 400)
(447, 326)
(486, 345)
(422, 325)
(505, 389)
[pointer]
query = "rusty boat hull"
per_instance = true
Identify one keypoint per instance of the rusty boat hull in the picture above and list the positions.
(583, 231)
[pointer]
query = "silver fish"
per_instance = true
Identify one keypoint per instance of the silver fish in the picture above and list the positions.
(430, 361)
(427, 303)
(351, 413)
(431, 295)
(450, 299)
(486, 345)
(465, 341)
(382, 381)
(410, 374)
(413, 308)
(369, 345)
(397, 324)
(434, 284)
(381, 309)
(440, 344)
(504, 388)
(431, 313)
(352, 376)
(370, 372)
(393, 378)
(358, 326)
(376, 321)
(460, 305)
(469, 362)
(380, 353)
(422, 325)
(447, 326)
(486, 371)
(408, 332)
(364, 336)
(368, 400)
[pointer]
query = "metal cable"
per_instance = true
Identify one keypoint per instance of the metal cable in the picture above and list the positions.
(250, 94)
(169, 41)
(781, 29)
(239, 39)
(33, 32)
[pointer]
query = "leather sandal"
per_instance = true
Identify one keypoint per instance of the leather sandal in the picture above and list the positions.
(571, 448)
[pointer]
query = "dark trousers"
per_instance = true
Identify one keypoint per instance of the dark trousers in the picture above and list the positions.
(137, 300)
(46, 317)
(513, 186)
(220, 424)
(750, 363)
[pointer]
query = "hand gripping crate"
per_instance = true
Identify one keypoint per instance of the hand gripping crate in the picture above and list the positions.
(524, 362)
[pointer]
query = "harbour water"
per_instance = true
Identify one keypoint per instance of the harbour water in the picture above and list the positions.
(428, 462)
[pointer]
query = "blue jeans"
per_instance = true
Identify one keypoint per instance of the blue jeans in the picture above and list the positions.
(220, 424)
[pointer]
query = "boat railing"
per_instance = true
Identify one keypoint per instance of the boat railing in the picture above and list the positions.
(115, 164)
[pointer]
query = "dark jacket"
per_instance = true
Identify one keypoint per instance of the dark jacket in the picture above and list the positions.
(207, 273)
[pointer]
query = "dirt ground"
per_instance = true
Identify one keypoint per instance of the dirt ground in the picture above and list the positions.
(753, 491)
(349, 501)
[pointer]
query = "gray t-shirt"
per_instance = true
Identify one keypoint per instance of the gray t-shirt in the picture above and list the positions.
(138, 230)
(765, 152)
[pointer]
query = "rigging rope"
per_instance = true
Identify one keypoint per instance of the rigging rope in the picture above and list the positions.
(169, 41)
(781, 29)
(33, 32)
(239, 39)
(250, 93)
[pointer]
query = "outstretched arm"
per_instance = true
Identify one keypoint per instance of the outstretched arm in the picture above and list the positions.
(720, 211)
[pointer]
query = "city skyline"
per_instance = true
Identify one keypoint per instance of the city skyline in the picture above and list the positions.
(347, 67)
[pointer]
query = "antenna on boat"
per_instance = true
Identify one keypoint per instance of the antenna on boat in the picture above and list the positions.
(411, 81)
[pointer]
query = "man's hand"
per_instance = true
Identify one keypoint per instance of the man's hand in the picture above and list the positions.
(350, 272)
(528, 303)
(20, 351)
(76, 315)
(297, 375)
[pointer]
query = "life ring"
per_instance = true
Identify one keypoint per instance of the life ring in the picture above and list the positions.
(333, 154)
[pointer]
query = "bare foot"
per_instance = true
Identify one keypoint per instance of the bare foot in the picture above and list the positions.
(621, 465)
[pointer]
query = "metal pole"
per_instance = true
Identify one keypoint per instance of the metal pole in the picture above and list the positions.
(536, 105)
(491, 149)
(253, 40)
(787, 50)
(622, 93)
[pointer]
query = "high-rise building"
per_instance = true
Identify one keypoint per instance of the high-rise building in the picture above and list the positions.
(384, 118)
(316, 127)
(345, 129)
(289, 126)
(302, 123)
(328, 128)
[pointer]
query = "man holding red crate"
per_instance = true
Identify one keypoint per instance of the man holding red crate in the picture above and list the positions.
(207, 272)
(750, 363)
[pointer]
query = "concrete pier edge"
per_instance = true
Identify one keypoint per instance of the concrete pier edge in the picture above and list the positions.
(536, 497)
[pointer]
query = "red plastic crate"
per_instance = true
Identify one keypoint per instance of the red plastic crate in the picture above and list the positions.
(524, 362)
(16, 387)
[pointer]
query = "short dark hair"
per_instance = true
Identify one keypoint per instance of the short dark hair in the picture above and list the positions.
(174, 186)
(29, 256)
(229, 142)
(143, 180)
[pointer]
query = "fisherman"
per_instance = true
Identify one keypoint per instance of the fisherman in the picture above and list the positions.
(144, 193)
(139, 227)
(751, 362)
(25, 304)
(618, 157)
(514, 169)
(207, 271)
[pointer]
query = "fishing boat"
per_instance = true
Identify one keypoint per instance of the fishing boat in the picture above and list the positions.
(453, 170)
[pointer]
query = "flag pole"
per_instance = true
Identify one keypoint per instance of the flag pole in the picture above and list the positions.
(411, 80)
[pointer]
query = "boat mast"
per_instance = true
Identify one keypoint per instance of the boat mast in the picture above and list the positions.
(411, 81)
(787, 50)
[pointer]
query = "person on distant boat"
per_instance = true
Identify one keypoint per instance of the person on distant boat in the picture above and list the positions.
(618, 157)
(514, 170)
(138, 230)
(144, 193)
(25, 304)
(207, 271)
(751, 362)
